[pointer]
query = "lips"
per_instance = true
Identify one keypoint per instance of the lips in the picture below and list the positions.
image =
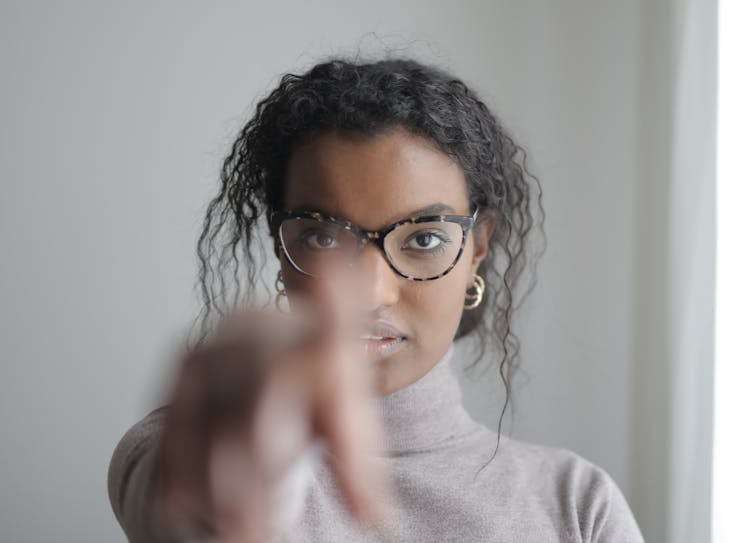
(383, 339)
(382, 330)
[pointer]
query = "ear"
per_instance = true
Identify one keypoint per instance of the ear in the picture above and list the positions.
(482, 233)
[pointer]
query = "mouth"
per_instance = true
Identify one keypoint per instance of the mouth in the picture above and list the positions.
(382, 340)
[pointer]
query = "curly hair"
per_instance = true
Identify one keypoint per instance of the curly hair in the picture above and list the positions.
(364, 99)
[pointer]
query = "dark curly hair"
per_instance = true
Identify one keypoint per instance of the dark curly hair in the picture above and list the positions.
(364, 99)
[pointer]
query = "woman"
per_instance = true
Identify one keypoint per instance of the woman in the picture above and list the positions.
(401, 214)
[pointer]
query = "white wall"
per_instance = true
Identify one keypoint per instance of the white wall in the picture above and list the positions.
(114, 120)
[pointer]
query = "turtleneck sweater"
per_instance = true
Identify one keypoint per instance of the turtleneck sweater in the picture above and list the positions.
(450, 482)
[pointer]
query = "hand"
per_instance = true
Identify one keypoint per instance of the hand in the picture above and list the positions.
(251, 401)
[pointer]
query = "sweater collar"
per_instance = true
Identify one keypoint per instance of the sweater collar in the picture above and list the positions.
(426, 413)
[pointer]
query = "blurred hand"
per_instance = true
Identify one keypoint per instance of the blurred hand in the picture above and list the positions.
(250, 401)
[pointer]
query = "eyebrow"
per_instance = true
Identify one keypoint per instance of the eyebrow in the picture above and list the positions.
(432, 209)
(437, 208)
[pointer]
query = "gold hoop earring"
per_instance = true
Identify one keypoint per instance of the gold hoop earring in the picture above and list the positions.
(473, 299)
(280, 291)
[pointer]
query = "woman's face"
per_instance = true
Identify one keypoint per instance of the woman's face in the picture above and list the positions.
(374, 182)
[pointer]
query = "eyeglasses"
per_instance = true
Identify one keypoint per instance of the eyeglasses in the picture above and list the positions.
(419, 248)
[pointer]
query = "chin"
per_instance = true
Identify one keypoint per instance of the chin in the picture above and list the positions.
(397, 371)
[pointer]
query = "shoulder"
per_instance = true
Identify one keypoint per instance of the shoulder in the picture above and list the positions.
(589, 501)
(564, 467)
(129, 473)
(138, 440)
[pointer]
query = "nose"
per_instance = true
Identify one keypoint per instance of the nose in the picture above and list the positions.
(380, 283)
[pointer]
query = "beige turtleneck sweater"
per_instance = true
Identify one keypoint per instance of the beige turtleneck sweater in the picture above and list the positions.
(433, 450)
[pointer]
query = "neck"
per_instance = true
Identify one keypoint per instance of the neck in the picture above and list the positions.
(426, 413)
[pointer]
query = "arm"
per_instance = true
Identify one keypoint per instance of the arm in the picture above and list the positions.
(231, 455)
(133, 471)
(610, 519)
(131, 477)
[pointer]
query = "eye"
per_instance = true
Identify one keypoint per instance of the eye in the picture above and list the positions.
(426, 241)
(319, 240)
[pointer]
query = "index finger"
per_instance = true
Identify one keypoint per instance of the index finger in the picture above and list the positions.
(336, 303)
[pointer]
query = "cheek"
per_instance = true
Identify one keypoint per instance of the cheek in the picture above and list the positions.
(296, 285)
(440, 303)
(435, 307)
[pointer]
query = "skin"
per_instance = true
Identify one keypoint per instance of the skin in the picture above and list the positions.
(343, 176)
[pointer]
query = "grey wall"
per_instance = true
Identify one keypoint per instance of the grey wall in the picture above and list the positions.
(114, 120)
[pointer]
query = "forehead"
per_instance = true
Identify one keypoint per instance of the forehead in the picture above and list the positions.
(373, 181)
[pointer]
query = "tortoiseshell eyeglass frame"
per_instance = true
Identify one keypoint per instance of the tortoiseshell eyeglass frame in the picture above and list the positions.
(375, 236)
